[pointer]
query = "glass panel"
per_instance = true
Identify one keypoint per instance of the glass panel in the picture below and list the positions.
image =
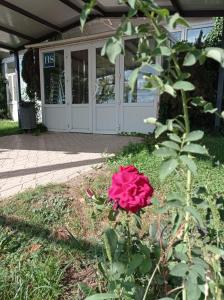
(80, 89)
(54, 80)
(176, 35)
(140, 94)
(105, 79)
(11, 67)
(194, 34)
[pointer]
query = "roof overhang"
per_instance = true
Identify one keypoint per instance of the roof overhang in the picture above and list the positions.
(24, 22)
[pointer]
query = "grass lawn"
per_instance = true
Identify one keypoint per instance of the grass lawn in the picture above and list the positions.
(48, 242)
(8, 127)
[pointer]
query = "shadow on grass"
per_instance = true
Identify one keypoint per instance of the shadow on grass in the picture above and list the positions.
(35, 230)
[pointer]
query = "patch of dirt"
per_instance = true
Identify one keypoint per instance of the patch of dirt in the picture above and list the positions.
(73, 277)
(97, 180)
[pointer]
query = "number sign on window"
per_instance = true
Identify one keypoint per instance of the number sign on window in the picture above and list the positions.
(49, 60)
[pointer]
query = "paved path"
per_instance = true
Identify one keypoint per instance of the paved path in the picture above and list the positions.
(27, 160)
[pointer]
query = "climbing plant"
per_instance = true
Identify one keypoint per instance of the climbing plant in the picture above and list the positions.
(181, 256)
(3, 98)
(31, 73)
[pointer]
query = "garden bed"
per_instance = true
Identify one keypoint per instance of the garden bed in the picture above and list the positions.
(48, 240)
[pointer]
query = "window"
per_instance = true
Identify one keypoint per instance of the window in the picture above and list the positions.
(194, 33)
(54, 81)
(105, 79)
(80, 90)
(176, 35)
(140, 94)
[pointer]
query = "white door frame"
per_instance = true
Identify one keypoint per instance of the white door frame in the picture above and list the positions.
(96, 45)
(44, 105)
(70, 49)
(153, 106)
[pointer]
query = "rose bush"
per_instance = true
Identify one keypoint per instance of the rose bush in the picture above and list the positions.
(177, 257)
(130, 189)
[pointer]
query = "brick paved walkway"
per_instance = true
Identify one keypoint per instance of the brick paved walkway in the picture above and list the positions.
(27, 160)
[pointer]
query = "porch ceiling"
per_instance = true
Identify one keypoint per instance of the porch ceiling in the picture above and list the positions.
(29, 21)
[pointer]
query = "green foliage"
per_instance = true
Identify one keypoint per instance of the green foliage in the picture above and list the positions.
(214, 38)
(8, 127)
(31, 73)
(3, 98)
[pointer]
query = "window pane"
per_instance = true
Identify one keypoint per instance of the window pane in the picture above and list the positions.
(194, 34)
(54, 81)
(105, 79)
(140, 94)
(176, 35)
(80, 90)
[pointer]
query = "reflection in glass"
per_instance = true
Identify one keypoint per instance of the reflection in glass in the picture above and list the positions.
(140, 94)
(80, 77)
(54, 81)
(194, 34)
(105, 79)
(176, 35)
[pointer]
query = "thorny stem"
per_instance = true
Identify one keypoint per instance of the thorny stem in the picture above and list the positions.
(150, 280)
(189, 175)
(188, 183)
(129, 237)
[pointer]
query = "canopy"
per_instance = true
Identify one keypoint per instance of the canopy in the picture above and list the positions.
(24, 22)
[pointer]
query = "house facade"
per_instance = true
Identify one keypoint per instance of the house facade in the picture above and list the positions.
(81, 91)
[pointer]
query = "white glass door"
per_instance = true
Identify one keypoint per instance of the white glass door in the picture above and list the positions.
(106, 93)
(81, 113)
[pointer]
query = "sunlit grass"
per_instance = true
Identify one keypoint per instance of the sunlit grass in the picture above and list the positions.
(8, 127)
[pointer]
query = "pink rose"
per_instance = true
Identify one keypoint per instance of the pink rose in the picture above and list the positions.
(130, 190)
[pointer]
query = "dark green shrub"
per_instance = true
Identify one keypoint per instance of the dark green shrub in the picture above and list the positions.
(205, 79)
(3, 98)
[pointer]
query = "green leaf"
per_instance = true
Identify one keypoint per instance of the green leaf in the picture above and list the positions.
(110, 242)
(167, 167)
(102, 296)
(165, 51)
(157, 67)
(112, 48)
(117, 268)
(145, 266)
(215, 250)
(183, 85)
(129, 28)
(132, 3)
(216, 54)
(189, 60)
(150, 121)
(159, 130)
(209, 108)
(193, 290)
(86, 12)
(174, 137)
(164, 152)
(175, 196)
(169, 90)
(195, 214)
(175, 20)
(172, 145)
(179, 270)
(166, 298)
(133, 78)
(135, 262)
(189, 163)
(194, 136)
(195, 148)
